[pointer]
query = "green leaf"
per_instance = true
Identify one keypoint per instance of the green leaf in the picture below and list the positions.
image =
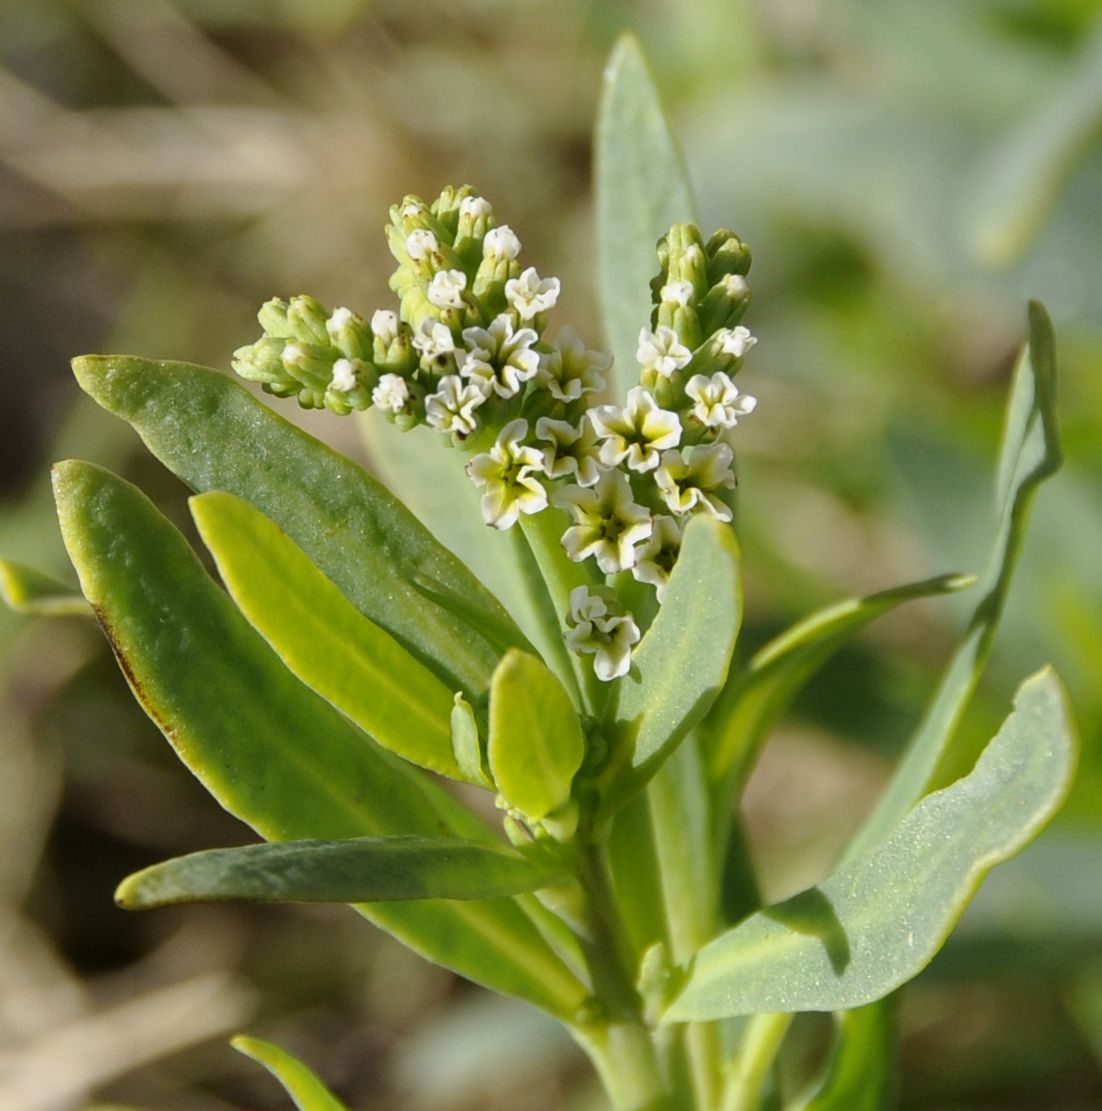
(27, 590)
(467, 745)
(759, 694)
(300, 1083)
(536, 745)
(1030, 453)
(862, 1072)
(213, 434)
(680, 666)
(355, 870)
(267, 748)
(323, 638)
(641, 190)
(878, 921)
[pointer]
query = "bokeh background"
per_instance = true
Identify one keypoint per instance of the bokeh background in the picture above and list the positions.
(908, 174)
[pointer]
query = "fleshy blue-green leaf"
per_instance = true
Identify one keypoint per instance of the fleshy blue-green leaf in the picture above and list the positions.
(642, 189)
(861, 1074)
(680, 665)
(536, 745)
(322, 638)
(213, 434)
(878, 921)
(27, 590)
(299, 1082)
(758, 695)
(267, 748)
(356, 870)
(1030, 453)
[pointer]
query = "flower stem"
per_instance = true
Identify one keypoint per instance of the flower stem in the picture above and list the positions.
(761, 1041)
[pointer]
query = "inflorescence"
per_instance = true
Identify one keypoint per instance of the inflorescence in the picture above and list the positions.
(467, 354)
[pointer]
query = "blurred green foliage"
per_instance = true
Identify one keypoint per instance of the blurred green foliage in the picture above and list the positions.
(907, 174)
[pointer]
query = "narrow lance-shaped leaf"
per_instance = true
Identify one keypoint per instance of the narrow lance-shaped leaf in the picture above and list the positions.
(322, 638)
(299, 1082)
(27, 590)
(641, 190)
(267, 748)
(680, 666)
(536, 745)
(355, 870)
(755, 698)
(878, 921)
(1030, 453)
(213, 434)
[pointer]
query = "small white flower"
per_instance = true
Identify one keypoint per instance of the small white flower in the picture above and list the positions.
(509, 476)
(662, 351)
(341, 318)
(412, 209)
(529, 295)
(607, 637)
(690, 484)
(384, 326)
(344, 376)
(607, 523)
(433, 339)
(446, 289)
(451, 408)
(637, 433)
(677, 293)
(572, 452)
(475, 207)
(500, 358)
(658, 555)
(570, 370)
(736, 341)
(391, 394)
(501, 243)
(420, 244)
(735, 286)
(718, 402)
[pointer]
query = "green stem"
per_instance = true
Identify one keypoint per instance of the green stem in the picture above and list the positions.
(760, 1044)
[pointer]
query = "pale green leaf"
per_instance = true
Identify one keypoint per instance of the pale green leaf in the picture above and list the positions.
(536, 745)
(299, 1082)
(1030, 453)
(355, 870)
(322, 638)
(28, 590)
(641, 190)
(878, 921)
(466, 743)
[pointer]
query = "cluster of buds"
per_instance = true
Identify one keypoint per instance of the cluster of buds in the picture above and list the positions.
(467, 354)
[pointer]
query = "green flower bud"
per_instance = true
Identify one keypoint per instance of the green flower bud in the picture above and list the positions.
(349, 333)
(724, 304)
(273, 318)
(476, 218)
(727, 254)
(310, 364)
(445, 209)
(306, 319)
(263, 362)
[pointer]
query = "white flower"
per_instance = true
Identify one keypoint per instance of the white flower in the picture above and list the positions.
(528, 295)
(501, 243)
(677, 293)
(446, 289)
(607, 523)
(475, 207)
(736, 341)
(637, 433)
(690, 484)
(391, 394)
(718, 402)
(592, 630)
(341, 318)
(569, 370)
(344, 376)
(509, 476)
(433, 339)
(451, 408)
(499, 358)
(572, 452)
(384, 326)
(420, 244)
(661, 351)
(412, 209)
(657, 556)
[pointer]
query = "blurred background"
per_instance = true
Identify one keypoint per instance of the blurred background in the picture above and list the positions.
(908, 175)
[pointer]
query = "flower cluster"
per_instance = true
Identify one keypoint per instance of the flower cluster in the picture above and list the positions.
(467, 354)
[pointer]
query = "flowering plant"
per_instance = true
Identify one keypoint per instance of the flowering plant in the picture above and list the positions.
(353, 662)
